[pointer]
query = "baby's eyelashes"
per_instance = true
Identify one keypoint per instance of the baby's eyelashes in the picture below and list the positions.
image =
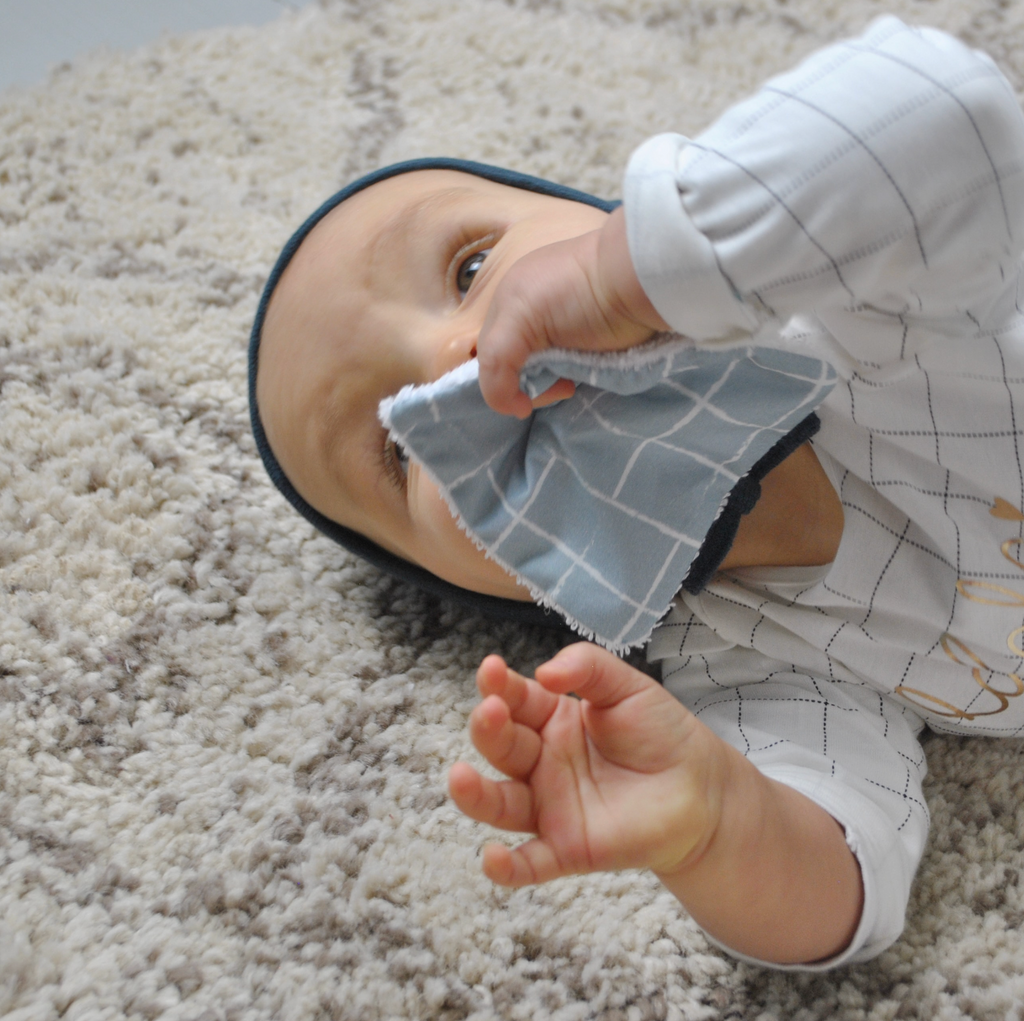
(468, 270)
(396, 463)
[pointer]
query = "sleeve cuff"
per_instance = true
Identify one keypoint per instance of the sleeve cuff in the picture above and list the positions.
(884, 868)
(676, 264)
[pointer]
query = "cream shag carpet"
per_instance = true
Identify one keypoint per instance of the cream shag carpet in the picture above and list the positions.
(223, 741)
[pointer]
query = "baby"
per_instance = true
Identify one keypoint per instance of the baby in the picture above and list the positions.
(867, 210)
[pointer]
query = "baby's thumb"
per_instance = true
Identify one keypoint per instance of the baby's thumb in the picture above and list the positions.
(502, 349)
(592, 673)
(499, 383)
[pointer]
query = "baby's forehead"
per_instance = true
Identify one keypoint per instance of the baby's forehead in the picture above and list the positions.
(384, 208)
(366, 241)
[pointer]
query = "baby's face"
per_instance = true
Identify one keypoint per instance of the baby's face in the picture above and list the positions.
(391, 288)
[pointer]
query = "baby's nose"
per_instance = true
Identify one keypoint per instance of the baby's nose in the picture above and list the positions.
(452, 352)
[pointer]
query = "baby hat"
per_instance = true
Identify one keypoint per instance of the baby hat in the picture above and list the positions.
(603, 504)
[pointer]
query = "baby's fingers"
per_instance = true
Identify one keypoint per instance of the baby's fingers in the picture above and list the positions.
(506, 805)
(511, 747)
(527, 701)
(561, 390)
(593, 673)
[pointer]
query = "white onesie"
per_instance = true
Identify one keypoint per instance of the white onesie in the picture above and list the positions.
(867, 207)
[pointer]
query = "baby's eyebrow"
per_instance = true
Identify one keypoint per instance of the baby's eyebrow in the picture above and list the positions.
(397, 229)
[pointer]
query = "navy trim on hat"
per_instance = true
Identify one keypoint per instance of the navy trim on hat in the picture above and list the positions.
(492, 606)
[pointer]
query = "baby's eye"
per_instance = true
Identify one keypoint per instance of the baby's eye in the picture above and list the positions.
(396, 463)
(468, 270)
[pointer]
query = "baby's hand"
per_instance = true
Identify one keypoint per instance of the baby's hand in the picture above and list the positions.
(622, 777)
(579, 293)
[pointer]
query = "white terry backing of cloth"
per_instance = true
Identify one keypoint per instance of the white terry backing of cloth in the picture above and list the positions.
(599, 504)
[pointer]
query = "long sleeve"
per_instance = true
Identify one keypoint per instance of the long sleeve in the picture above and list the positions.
(845, 746)
(883, 173)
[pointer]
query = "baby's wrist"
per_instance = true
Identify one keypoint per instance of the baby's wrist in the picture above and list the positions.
(694, 830)
(619, 285)
(734, 795)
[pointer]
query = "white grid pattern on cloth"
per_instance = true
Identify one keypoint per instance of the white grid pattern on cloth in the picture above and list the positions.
(601, 502)
(921, 615)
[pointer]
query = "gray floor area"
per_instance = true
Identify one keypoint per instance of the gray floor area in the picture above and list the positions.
(37, 34)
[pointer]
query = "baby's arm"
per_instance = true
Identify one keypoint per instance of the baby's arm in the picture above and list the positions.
(626, 777)
(577, 293)
(884, 174)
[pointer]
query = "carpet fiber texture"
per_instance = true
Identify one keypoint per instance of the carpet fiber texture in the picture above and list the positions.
(223, 741)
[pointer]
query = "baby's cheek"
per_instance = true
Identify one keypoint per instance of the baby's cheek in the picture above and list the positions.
(429, 508)
(441, 543)
(447, 551)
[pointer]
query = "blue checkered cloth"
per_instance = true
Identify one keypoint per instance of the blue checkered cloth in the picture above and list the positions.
(601, 503)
